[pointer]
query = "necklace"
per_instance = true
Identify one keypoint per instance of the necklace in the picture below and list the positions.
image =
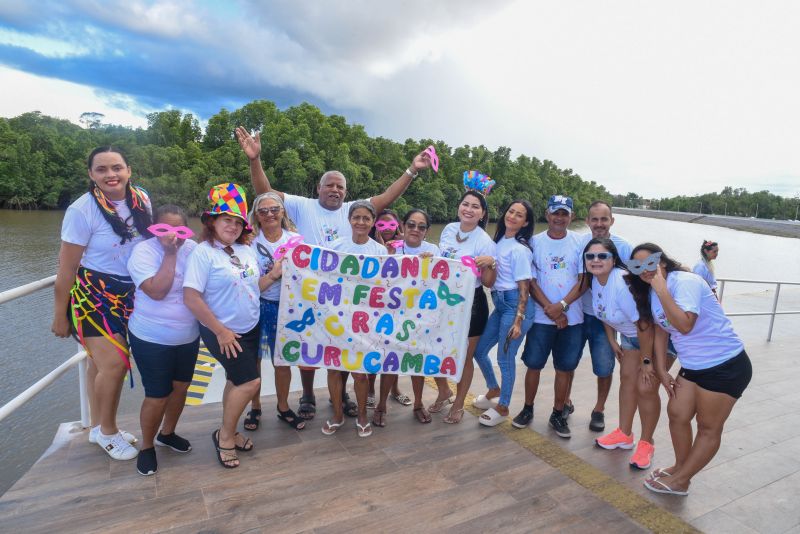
(462, 239)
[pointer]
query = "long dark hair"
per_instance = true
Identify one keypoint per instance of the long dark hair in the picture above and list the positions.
(482, 200)
(524, 234)
(609, 246)
(641, 290)
(135, 198)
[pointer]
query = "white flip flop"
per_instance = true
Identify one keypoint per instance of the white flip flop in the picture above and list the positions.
(491, 417)
(661, 487)
(482, 402)
(332, 428)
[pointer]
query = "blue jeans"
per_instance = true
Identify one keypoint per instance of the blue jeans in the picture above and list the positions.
(500, 322)
(566, 345)
(269, 328)
(630, 343)
(603, 357)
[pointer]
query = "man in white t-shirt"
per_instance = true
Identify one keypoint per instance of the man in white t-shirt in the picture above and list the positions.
(557, 324)
(599, 219)
(323, 220)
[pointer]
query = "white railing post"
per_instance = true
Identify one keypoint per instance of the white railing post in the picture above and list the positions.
(84, 394)
(774, 309)
(721, 289)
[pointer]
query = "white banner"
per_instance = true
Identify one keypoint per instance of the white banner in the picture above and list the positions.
(374, 314)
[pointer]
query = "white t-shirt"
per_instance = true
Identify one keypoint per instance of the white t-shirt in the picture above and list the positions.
(167, 321)
(477, 243)
(265, 252)
(556, 264)
(84, 225)
(712, 341)
(613, 303)
(423, 247)
(623, 248)
(370, 248)
(705, 273)
(230, 292)
(317, 225)
(513, 264)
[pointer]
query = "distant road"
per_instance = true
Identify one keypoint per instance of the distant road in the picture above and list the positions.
(760, 226)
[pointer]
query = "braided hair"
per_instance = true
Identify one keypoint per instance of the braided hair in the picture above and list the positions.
(135, 198)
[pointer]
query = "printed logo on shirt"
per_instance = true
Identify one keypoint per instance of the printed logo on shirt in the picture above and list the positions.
(601, 312)
(331, 234)
(248, 272)
(449, 253)
(661, 317)
(557, 262)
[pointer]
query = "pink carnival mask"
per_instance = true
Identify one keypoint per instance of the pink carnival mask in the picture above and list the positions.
(469, 261)
(384, 226)
(397, 243)
(431, 151)
(162, 229)
(281, 251)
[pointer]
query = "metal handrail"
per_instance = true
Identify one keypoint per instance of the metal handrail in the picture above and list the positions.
(79, 359)
(772, 313)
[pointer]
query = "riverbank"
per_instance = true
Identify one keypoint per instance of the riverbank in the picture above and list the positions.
(758, 226)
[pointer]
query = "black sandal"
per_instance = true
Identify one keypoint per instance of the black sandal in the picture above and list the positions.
(244, 448)
(308, 407)
(224, 450)
(350, 408)
(253, 420)
(292, 419)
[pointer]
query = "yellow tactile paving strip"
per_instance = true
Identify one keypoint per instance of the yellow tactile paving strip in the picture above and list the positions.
(604, 487)
(203, 370)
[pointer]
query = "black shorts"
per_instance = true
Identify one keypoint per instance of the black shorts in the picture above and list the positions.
(731, 377)
(480, 313)
(160, 365)
(244, 367)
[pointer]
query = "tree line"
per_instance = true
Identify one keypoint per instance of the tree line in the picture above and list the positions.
(730, 201)
(43, 160)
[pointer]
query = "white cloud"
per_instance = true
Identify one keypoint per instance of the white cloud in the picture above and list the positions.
(24, 92)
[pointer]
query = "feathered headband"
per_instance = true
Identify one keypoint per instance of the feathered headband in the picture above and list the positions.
(478, 182)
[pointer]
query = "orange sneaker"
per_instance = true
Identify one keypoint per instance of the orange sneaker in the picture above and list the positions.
(615, 440)
(643, 455)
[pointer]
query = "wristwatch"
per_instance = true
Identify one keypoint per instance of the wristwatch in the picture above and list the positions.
(646, 360)
(564, 305)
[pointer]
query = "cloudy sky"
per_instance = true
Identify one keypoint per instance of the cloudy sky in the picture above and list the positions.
(658, 98)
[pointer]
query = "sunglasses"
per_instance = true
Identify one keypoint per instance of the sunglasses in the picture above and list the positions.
(235, 261)
(413, 226)
(273, 210)
(650, 263)
(383, 226)
(162, 229)
(600, 256)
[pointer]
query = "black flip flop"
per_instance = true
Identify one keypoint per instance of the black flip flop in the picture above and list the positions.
(308, 407)
(252, 419)
(244, 448)
(215, 439)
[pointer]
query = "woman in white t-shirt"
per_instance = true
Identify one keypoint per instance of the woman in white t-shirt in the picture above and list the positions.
(272, 229)
(163, 334)
(715, 369)
(709, 251)
(513, 310)
(361, 216)
(93, 290)
(467, 237)
(415, 226)
(221, 287)
(613, 304)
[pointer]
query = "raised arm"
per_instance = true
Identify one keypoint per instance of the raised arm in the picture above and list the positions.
(398, 187)
(251, 146)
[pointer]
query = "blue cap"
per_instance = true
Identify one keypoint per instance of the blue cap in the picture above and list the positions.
(559, 202)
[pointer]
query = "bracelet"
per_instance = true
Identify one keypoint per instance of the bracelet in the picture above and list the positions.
(521, 315)
(411, 173)
(493, 266)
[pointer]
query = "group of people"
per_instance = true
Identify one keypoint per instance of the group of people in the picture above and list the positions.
(132, 286)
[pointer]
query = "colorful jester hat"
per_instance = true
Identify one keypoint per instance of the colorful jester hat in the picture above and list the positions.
(228, 198)
(478, 182)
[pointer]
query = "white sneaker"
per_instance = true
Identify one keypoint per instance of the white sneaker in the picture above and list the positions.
(117, 447)
(130, 438)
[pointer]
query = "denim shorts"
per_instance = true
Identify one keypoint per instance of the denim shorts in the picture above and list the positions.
(566, 345)
(269, 328)
(603, 357)
(160, 365)
(632, 343)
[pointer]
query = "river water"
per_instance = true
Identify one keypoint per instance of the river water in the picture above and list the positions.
(29, 244)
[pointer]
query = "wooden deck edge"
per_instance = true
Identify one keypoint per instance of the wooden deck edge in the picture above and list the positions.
(601, 485)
